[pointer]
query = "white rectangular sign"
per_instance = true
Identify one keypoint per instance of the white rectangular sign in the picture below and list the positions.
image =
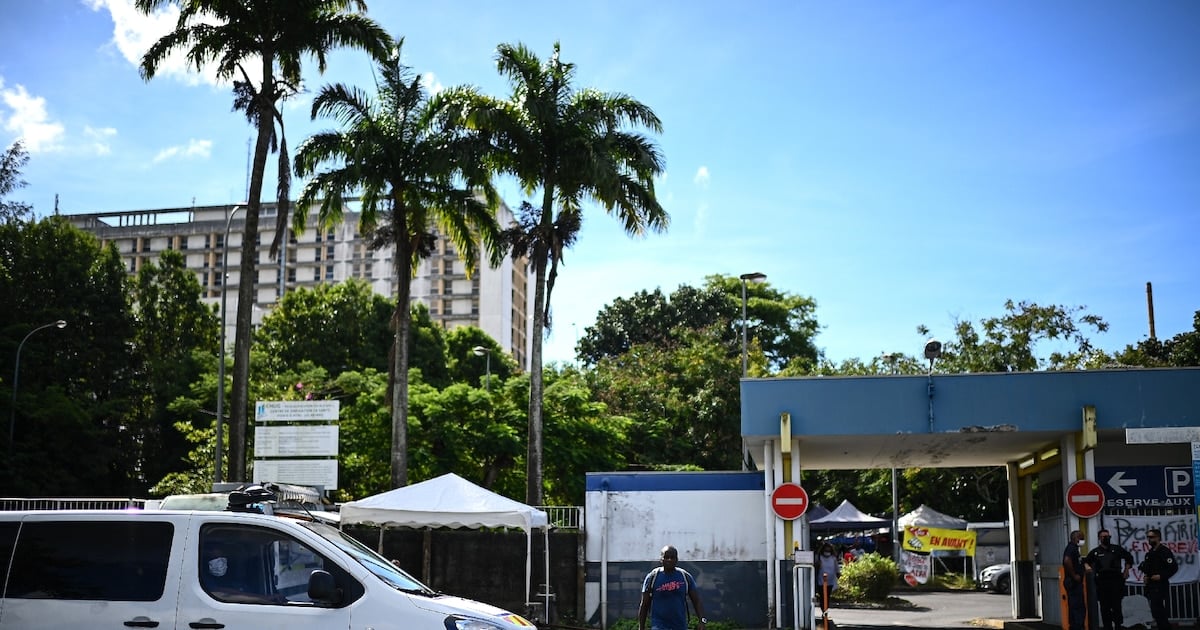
(302, 472)
(1162, 435)
(296, 410)
(295, 440)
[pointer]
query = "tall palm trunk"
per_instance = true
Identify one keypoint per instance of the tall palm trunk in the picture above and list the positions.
(403, 319)
(533, 458)
(247, 277)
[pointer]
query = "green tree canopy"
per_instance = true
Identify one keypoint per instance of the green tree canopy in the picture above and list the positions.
(1010, 342)
(782, 327)
(467, 365)
(682, 402)
(174, 331)
(339, 327)
(11, 162)
(1182, 350)
(76, 394)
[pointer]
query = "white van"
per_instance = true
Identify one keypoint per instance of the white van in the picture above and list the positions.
(236, 571)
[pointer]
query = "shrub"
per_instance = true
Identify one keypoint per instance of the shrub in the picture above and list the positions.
(871, 577)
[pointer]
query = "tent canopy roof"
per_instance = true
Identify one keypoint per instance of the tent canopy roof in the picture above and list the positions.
(816, 511)
(847, 517)
(926, 516)
(446, 501)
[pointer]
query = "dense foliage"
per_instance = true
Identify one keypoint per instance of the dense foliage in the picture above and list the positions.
(11, 162)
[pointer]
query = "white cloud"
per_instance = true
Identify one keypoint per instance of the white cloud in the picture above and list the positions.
(99, 138)
(135, 32)
(28, 119)
(194, 148)
(431, 83)
(701, 178)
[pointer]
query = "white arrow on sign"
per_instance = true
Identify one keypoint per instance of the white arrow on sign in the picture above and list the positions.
(1118, 482)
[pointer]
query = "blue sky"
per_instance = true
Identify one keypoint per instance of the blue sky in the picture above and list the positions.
(903, 163)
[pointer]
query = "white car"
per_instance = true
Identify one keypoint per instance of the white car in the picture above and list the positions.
(997, 577)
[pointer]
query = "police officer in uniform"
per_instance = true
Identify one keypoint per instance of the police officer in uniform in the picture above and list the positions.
(1157, 568)
(1111, 563)
(1073, 581)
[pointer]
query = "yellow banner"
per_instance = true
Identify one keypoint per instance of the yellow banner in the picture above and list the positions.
(917, 538)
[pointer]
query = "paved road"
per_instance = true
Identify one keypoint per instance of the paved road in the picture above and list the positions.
(961, 609)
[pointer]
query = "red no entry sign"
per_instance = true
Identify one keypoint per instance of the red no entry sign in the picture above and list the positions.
(789, 501)
(1085, 498)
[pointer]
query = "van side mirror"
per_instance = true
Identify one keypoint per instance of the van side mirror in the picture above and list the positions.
(322, 589)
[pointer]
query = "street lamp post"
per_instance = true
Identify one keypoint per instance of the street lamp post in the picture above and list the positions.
(481, 351)
(747, 277)
(753, 276)
(217, 476)
(12, 418)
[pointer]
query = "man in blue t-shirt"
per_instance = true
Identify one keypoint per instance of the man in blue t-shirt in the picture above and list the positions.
(665, 592)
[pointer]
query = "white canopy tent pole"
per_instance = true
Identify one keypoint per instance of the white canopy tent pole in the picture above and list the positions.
(528, 563)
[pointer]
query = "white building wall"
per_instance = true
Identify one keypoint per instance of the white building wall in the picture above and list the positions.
(314, 257)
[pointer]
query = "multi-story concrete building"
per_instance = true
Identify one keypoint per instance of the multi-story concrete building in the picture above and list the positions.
(210, 238)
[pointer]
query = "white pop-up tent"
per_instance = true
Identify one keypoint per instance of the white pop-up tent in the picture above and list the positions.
(846, 517)
(451, 501)
(926, 516)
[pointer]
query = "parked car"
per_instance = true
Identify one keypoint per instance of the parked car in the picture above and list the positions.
(997, 577)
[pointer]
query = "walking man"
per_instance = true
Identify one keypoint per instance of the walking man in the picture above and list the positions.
(1073, 581)
(665, 594)
(1111, 564)
(1157, 568)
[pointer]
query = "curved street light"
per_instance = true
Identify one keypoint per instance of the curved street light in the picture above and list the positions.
(12, 418)
(480, 351)
(217, 477)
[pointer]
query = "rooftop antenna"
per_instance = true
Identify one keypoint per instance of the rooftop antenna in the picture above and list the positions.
(1150, 308)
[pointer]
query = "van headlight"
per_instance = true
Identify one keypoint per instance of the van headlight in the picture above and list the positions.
(465, 623)
(454, 622)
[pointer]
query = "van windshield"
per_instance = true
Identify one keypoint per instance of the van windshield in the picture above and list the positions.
(391, 574)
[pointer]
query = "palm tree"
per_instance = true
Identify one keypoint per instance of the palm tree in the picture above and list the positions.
(278, 35)
(573, 146)
(415, 171)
